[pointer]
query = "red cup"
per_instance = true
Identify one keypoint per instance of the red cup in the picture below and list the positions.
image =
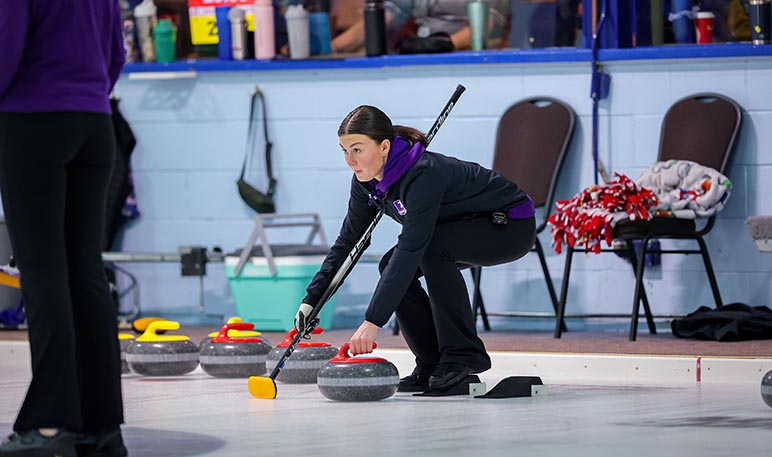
(703, 25)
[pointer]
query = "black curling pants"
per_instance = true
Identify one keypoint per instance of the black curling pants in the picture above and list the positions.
(54, 170)
(439, 327)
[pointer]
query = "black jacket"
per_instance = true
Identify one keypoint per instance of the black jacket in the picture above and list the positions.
(435, 190)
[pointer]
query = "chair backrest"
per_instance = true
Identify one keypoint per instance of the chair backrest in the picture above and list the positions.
(531, 143)
(701, 128)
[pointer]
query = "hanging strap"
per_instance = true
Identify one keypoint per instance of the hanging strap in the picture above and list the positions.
(250, 141)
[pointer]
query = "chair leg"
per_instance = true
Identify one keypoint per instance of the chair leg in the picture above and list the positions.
(637, 298)
(709, 271)
(559, 322)
(478, 306)
(548, 279)
(644, 298)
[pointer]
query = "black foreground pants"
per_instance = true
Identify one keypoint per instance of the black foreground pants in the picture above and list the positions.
(439, 327)
(54, 169)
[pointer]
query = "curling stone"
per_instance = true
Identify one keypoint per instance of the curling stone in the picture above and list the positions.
(346, 378)
(766, 388)
(304, 364)
(124, 339)
(162, 355)
(234, 333)
(228, 357)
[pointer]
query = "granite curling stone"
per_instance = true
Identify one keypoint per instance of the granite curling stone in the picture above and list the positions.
(303, 365)
(124, 339)
(766, 388)
(228, 357)
(234, 333)
(162, 355)
(346, 378)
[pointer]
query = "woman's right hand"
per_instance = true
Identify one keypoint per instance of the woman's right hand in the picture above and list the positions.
(301, 319)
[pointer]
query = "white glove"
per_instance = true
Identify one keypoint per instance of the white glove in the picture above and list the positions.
(301, 320)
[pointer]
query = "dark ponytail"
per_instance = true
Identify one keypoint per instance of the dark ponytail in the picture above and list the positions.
(370, 121)
(412, 135)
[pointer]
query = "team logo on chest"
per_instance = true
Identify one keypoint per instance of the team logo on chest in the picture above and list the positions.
(400, 207)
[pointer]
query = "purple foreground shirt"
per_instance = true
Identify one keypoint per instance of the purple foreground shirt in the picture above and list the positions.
(59, 55)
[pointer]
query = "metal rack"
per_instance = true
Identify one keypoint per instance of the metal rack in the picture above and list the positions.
(264, 221)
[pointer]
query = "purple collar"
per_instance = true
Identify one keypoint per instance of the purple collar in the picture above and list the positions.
(401, 157)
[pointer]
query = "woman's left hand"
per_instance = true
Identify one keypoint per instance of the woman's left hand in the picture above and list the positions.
(362, 340)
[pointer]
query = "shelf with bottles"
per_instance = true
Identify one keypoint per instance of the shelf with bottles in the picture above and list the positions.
(492, 57)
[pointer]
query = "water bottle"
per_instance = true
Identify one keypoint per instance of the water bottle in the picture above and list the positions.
(477, 11)
(681, 17)
(238, 25)
(375, 28)
(265, 44)
(761, 21)
(319, 29)
(145, 17)
(319, 26)
(165, 34)
(297, 32)
(223, 33)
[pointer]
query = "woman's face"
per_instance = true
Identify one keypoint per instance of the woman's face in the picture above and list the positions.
(365, 156)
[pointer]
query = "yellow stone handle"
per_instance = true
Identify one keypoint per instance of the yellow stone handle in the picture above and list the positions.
(151, 336)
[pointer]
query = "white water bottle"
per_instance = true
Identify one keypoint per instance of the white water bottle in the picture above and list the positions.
(237, 18)
(145, 17)
(298, 32)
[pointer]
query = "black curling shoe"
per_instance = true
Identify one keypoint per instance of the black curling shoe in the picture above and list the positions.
(448, 375)
(33, 444)
(418, 381)
(107, 444)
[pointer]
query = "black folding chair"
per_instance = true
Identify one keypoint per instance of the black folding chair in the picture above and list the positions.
(701, 128)
(531, 143)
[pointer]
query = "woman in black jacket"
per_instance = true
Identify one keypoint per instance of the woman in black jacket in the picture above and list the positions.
(454, 214)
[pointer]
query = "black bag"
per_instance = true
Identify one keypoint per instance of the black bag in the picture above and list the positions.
(434, 43)
(258, 201)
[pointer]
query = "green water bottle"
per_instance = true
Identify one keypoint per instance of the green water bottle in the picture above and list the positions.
(165, 34)
(477, 10)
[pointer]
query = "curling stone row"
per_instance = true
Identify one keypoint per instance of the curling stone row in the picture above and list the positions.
(226, 356)
(223, 355)
(346, 378)
(174, 355)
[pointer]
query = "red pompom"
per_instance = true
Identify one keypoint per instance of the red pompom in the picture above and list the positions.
(589, 217)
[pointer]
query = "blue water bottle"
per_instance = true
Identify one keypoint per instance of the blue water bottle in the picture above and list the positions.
(224, 47)
(681, 17)
(319, 26)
